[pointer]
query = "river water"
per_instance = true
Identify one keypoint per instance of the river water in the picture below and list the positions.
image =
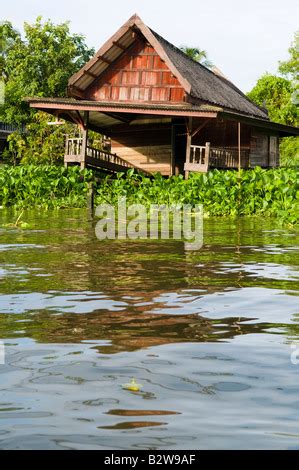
(211, 335)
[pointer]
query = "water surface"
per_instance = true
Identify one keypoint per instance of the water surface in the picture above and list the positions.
(209, 334)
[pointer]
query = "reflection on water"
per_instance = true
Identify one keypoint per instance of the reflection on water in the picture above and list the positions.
(207, 333)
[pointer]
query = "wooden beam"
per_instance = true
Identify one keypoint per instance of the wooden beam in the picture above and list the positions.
(80, 120)
(199, 128)
(239, 145)
(90, 74)
(189, 124)
(109, 62)
(66, 150)
(120, 46)
(98, 106)
(188, 146)
(75, 119)
(172, 158)
(207, 155)
(84, 141)
(75, 91)
(118, 117)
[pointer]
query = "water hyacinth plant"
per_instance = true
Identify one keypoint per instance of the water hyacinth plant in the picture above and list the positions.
(271, 193)
(43, 185)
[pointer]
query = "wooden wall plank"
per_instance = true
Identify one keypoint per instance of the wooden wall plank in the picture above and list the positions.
(149, 149)
(139, 75)
(259, 150)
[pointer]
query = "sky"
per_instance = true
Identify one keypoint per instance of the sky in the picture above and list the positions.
(243, 38)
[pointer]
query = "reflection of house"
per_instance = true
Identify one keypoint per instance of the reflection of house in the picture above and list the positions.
(163, 111)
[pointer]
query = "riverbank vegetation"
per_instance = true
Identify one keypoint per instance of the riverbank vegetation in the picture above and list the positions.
(271, 193)
(46, 186)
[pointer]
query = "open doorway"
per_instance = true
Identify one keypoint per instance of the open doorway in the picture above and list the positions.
(179, 147)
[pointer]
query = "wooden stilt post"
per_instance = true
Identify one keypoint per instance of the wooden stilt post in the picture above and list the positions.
(172, 162)
(84, 141)
(90, 196)
(66, 149)
(207, 155)
(239, 165)
(239, 145)
(188, 146)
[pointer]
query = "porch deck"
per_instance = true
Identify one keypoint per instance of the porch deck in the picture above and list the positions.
(204, 157)
(201, 158)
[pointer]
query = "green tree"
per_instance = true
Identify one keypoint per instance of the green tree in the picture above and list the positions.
(275, 93)
(41, 143)
(280, 94)
(40, 65)
(290, 67)
(199, 55)
(8, 36)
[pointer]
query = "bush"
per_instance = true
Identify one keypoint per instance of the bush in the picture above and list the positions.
(289, 152)
(273, 192)
(43, 185)
(270, 193)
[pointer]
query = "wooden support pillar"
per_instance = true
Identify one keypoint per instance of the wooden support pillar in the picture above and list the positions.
(207, 155)
(239, 146)
(66, 149)
(172, 161)
(188, 146)
(84, 140)
(90, 196)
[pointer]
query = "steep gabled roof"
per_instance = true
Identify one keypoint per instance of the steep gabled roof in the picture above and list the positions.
(197, 81)
(114, 48)
(208, 86)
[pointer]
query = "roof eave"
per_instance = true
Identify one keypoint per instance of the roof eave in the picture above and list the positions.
(260, 122)
(154, 109)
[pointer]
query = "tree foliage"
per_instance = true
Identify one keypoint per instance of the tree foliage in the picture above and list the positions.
(199, 55)
(8, 36)
(275, 93)
(280, 95)
(41, 143)
(39, 65)
(290, 67)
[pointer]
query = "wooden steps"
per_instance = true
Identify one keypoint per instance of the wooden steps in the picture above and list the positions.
(95, 158)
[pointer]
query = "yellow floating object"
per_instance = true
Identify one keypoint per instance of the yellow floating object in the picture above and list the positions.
(133, 386)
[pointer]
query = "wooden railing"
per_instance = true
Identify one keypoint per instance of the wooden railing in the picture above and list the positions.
(204, 157)
(198, 159)
(228, 157)
(73, 146)
(105, 156)
(76, 152)
(9, 127)
(198, 154)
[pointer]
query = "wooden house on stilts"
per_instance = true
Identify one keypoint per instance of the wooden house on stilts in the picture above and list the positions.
(163, 111)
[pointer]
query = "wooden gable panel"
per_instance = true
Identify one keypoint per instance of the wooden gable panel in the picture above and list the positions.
(139, 75)
(160, 94)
